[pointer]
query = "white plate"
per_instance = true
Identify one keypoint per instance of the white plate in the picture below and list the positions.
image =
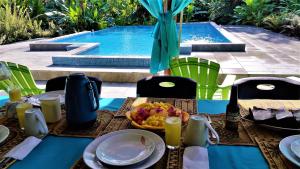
(91, 160)
(285, 148)
(35, 100)
(4, 132)
(125, 149)
(295, 147)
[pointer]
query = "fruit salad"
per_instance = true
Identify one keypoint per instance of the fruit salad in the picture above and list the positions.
(154, 114)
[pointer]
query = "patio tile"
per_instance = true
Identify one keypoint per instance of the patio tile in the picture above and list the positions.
(230, 64)
(234, 71)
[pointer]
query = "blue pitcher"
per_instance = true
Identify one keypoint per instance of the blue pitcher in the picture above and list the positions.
(82, 101)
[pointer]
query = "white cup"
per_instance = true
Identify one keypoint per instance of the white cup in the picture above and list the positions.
(197, 132)
(35, 124)
(51, 108)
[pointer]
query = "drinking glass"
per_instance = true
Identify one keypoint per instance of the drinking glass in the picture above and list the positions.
(21, 108)
(173, 132)
(14, 94)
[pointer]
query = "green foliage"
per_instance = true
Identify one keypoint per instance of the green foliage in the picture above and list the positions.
(197, 10)
(293, 27)
(24, 19)
(253, 11)
(275, 22)
(78, 15)
(219, 11)
(290, 6)
(281, 16)
(16, 24)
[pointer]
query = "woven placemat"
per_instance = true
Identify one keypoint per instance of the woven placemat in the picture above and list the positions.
(120, 123)
(60, 128)
(268, 141)
(276, 160)
(15, 137)
(103, 119)
(228, 137)
(188, 105)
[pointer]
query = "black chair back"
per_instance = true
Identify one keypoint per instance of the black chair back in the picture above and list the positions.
(59, 83)
(265, 88)
(167, 87)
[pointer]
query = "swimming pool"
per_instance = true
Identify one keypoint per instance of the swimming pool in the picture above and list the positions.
(130, 46)
(137, 40)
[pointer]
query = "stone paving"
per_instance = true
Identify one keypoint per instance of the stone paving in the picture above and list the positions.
(267, 53)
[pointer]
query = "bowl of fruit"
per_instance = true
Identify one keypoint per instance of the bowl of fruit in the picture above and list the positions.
(152, 115)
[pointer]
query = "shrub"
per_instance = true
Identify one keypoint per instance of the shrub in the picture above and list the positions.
(276, 21)
(290, 6)
(220, 11)
(293, 26)
(253, 12)
(16, 24)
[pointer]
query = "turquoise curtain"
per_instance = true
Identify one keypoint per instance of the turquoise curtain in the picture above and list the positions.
(165, 44)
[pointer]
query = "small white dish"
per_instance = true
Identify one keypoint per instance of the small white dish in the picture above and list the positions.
(285, 148)
(35, 100)
(295, 147)
(125, 149)
(90, 159)
(4, 133)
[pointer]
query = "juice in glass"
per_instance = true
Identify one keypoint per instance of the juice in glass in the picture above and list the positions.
(14, 94)
(21, 108)
(173, 132)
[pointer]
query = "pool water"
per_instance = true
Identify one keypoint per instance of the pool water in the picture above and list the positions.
(137, 40)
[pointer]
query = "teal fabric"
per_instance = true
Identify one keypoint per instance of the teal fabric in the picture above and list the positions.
(3, 100)
(212, 106)
(54, 152)
(61, 152)
(236, 157)
(111, 103)
(165, 44)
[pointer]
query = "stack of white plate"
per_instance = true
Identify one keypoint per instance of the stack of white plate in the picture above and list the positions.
(290, 148)
(130, 148)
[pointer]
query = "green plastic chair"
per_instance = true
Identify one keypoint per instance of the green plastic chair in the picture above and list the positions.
(205, 73)
(21, 77)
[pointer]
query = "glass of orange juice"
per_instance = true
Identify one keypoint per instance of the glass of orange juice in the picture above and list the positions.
(173, 132)
(14, 94)
(21, 108)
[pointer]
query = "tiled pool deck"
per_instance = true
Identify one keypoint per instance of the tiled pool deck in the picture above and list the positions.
(267, 53)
